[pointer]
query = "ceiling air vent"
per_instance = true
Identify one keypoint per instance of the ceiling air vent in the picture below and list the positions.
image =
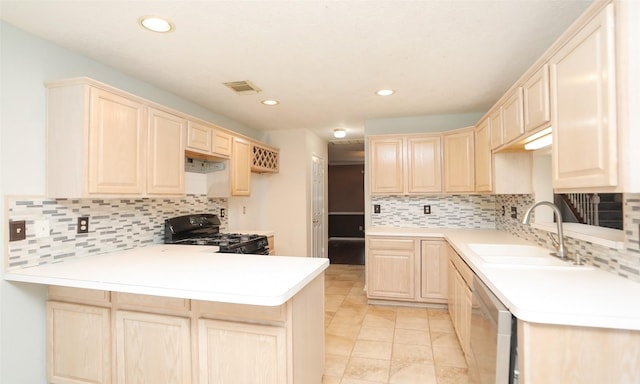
(244, 87)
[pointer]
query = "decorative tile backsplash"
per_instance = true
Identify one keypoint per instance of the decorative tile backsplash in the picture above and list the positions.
(625, 263)
(447, 211)
(114, 224)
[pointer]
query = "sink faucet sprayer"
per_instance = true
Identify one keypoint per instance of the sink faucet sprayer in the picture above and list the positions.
(559, 244)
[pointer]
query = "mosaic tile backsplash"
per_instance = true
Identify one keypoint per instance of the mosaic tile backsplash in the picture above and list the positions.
(625, 263)
(447, 211)
(114, 224)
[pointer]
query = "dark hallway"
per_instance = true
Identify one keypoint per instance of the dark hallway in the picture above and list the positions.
(346, 214)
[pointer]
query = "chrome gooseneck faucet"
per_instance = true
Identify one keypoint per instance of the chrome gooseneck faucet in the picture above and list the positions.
(561, 251)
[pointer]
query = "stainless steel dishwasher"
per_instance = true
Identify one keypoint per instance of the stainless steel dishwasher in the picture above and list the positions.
(493, 357)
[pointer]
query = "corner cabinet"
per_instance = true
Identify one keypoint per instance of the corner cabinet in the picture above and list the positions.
(405, 165)
(583, 97)
(406, 269)
(102, 142)
(459, 170)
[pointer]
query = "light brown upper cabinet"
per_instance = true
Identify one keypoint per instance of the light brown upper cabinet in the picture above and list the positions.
(405, 164)
(206, 139)
(116, 134)
(512, 120)
(483, 157)
(495, 124)
(240, 167)
(424, 170)
(165, 165)
(583, 96)
(386, 160)
(535, 91)
(103, 142)
(459, 171)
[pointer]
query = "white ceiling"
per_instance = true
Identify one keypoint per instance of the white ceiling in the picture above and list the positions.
(322, 59)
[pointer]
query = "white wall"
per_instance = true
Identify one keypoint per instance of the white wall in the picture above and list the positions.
(26, 62)
(285, 197)
(420, 124)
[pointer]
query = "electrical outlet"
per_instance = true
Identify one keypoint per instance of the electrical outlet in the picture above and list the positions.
(503, 211)
(514, 212)
(376, 208)
(83, 224)
(426, 209)
(17, 230)
(42, 228)
(222, 213)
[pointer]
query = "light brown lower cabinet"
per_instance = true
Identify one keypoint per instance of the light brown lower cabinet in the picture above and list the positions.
(152, 348)
(407, 269)
(549, 353)
(241, 353)
(109, 337)
(78, 343)
(460, 297)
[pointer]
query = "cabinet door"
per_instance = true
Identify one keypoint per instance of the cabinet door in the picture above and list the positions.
(221, 143)
(117, 129)
(583, 96)
(386, 165)
(458, 161)
(391, 268)
(78, 344)
(483, 158)
(241, 167)
(152, 348)
(495, 123)
(424, 173)
(241, 353)
(199, 138)
(433, 263)
(451, 291)
(535, 92)
(165, 171)
(512, 121)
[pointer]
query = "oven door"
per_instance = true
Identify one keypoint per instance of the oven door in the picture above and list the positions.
(491, 332)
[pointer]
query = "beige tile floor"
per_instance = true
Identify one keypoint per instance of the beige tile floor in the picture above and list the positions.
(385, 344)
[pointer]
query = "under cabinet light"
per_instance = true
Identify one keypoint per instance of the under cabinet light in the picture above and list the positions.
(538, 143)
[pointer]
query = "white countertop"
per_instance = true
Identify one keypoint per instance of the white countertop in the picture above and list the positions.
(581, 295)
(183, 271)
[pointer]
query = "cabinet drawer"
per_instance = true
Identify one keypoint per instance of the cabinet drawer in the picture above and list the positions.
(227, 311)
(79, 295)
(157, 303)
(391, 244)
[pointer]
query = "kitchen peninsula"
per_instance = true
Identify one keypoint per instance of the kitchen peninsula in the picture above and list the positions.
(182, 314)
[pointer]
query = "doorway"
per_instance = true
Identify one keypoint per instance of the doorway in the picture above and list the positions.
(346, 202)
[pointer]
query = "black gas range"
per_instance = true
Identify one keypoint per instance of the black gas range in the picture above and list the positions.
(204, 229)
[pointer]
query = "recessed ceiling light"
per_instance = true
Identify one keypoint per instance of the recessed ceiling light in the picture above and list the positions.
(339, 133)
(385, 92)
(270, 102)
(156, 24)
